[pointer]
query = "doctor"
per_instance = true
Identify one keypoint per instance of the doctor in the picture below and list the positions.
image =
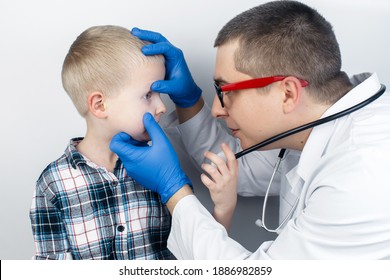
(333, 179)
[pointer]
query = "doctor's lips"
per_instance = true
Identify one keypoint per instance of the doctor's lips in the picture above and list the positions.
(233, 131)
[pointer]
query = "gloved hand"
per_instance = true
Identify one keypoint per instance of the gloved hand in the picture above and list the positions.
(178, 83)
(156, 167)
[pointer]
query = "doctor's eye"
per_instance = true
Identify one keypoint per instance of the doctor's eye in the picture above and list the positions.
(227, 92)
(148, 95)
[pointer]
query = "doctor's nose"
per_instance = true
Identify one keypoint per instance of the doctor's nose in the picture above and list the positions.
(217, 110)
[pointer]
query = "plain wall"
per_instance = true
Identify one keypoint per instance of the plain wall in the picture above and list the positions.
(38, 118)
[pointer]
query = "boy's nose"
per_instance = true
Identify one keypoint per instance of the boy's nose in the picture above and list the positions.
(160, 106)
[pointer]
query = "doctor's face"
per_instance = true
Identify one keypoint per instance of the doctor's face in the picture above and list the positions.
(251, 116)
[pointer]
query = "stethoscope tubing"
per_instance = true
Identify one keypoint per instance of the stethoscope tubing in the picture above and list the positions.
(312, 124)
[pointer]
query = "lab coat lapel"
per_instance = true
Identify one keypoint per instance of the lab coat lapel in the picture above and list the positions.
(315, 147)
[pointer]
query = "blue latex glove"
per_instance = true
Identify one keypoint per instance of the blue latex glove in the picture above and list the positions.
(155, 167)
(178, 83)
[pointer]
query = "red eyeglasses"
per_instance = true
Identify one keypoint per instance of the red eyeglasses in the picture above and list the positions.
(253, 83)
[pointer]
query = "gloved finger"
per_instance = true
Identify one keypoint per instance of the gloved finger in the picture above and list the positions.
(164, 48)
(147, 35)
(138, 143)
(155, 132)
(122, 145)
(164, 86)
(124, 137)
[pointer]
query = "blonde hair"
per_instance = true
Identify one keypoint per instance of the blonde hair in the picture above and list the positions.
(102, 59)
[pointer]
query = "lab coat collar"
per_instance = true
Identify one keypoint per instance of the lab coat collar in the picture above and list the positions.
(365, 85)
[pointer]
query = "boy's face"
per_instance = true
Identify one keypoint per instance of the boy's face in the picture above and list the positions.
(125, 111)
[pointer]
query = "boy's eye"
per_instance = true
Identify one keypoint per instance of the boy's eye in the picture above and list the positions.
(148, 95)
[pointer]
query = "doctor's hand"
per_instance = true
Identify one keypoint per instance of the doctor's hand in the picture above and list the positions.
(178, 83)
(156, 167)
(222, 184)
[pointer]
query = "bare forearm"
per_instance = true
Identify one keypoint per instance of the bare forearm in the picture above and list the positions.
(184, 191)
(223, 217)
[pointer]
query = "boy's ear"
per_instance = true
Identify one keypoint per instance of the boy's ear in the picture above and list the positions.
(292, 94)
(96, 105)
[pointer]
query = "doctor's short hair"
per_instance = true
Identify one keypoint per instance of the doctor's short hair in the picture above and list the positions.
(288, 38)
(102, 58)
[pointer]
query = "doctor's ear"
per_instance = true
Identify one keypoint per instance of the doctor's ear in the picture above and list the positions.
(96, 105)
(292, 90)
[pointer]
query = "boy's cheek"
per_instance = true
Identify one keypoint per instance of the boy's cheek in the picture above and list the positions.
(140, 136)
(135, 129)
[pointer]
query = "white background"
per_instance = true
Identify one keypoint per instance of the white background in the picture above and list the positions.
(38, 118)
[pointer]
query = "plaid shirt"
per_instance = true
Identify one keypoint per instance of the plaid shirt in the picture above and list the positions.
(82, 211)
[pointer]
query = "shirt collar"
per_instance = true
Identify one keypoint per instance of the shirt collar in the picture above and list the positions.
(75, 158)
(365, 85)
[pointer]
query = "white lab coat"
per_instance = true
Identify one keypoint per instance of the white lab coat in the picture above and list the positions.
(341, 179)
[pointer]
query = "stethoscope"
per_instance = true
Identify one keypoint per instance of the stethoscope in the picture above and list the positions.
(261, 223)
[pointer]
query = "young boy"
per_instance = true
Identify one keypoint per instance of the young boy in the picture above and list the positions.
(84, 205)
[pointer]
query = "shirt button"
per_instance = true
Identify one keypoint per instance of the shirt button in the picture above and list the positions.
(120, 228)
(115, 183)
